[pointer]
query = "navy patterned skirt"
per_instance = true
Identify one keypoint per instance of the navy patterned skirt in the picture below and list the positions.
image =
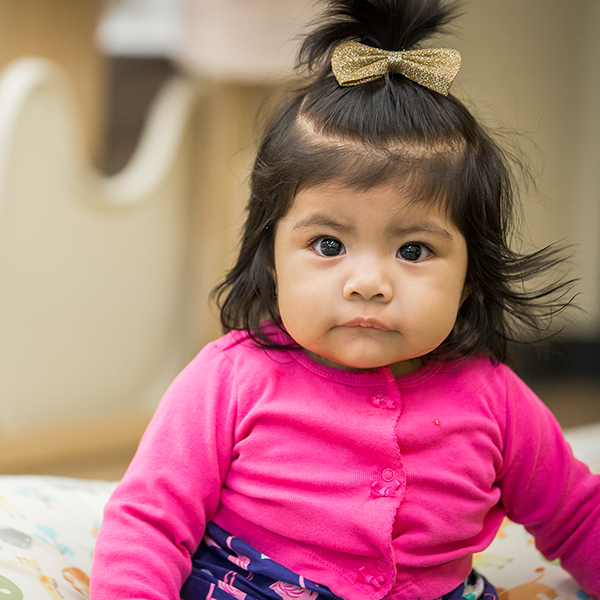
(226, 568)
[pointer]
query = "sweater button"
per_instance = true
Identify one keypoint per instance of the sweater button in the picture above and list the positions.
(388, 474)
(382, 564)
(380, 395)
(379, 398)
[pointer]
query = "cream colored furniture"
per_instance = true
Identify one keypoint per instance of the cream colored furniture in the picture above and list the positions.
(97, 314)
(64, 31)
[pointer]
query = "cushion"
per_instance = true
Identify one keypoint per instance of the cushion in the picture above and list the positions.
(48, 526)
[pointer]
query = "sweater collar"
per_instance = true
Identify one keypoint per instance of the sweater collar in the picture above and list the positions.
(379, 376)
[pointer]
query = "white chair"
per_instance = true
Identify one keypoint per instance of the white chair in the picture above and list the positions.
(96, 317)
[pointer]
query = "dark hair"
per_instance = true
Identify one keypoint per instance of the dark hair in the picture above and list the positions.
(392, 130)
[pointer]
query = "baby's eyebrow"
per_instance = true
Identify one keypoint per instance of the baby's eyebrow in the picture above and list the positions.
(319, 220)
(421, 228)
(324, 221)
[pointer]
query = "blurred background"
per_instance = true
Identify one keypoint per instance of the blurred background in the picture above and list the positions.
(124, 157)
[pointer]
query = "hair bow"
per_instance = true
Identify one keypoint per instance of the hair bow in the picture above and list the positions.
(436, 68)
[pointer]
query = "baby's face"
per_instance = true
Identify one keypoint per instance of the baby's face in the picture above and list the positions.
(366, 279)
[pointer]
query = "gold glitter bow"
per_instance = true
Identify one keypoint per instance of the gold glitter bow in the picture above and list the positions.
(354, 63)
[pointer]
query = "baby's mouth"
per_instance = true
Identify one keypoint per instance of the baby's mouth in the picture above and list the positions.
(366, 323)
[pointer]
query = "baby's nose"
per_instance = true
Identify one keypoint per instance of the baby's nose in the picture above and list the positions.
(369, 283)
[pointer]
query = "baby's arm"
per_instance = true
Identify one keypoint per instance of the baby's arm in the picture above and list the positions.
(156, 518)
(547, 490)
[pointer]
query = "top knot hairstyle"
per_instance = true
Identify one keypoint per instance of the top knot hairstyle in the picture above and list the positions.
(391, 130)
(386, 24)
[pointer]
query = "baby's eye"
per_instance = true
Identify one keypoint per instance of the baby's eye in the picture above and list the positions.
(413, 252)
(327, 246)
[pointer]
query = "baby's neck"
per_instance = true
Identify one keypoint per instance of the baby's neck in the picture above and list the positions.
(406, 366)
(398, 369)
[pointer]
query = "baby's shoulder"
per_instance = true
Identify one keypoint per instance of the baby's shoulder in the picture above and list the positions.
(481, 377)
(240, 353)
(227, 371)
(474, 372)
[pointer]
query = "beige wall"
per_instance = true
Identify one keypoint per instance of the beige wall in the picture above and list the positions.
(64, 31)
(533, 65)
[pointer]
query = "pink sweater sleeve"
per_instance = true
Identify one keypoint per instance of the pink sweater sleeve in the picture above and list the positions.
(153, 525)
(545, 489)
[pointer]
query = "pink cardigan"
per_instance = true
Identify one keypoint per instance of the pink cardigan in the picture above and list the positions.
(373, 486)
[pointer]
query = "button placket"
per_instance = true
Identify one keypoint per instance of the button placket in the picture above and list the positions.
(380, 399)
(375, 580)
(384, 491)
(387, 489)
